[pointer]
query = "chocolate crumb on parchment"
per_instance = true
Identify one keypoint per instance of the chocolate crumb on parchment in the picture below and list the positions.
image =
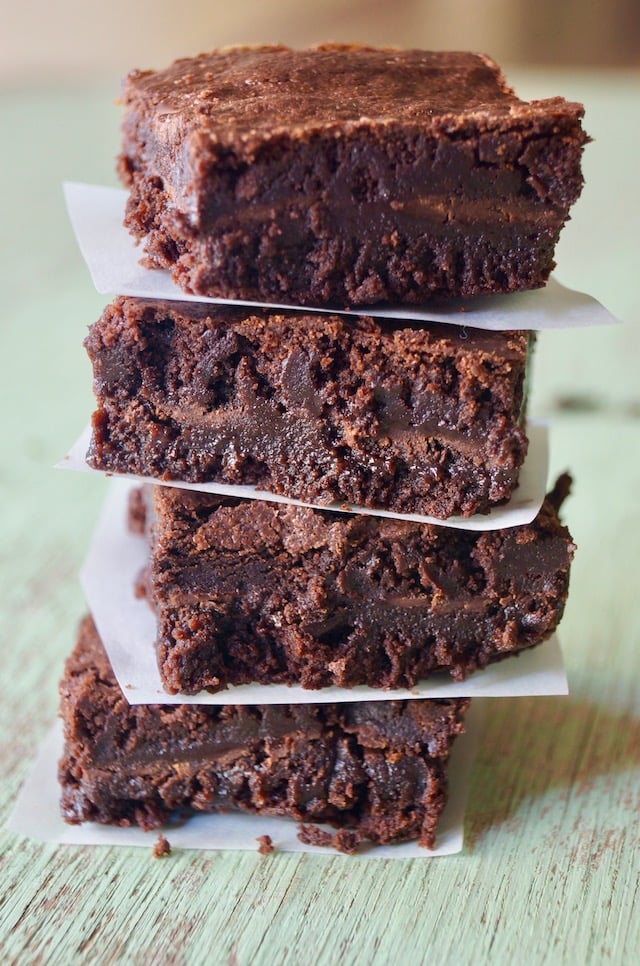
(343, 840)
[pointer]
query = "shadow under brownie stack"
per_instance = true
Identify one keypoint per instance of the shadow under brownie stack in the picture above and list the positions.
(332, 178)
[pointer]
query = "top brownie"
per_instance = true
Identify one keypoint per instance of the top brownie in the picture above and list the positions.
(346, 175)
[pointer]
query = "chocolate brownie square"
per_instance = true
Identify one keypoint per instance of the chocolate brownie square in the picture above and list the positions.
(248, 591)
(374, 770)
(408, 417)
(346, 175)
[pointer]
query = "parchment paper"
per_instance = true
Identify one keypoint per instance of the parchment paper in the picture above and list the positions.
(113, 259)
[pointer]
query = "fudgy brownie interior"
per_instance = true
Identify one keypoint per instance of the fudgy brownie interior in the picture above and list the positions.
(409, 417)
(346, 175)
(374, 770)
(248, 591)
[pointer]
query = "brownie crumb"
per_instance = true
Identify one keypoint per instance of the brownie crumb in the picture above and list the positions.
(137, 511)
(560, 491)
(161, 848)
(343, 840)
(265, 845)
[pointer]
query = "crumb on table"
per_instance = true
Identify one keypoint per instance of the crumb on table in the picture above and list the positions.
(265, 844)
(161, 848)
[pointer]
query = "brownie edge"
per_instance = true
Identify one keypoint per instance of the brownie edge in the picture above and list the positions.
(373, 770)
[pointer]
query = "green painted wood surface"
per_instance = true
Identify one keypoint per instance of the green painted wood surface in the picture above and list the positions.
(550, 869)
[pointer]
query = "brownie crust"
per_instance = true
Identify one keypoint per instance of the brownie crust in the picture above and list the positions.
(409, 417)
(375, 770)
(246, 591)
(346, 175)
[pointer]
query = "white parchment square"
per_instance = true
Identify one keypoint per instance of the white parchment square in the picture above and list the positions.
(127, 627)
(113, 259)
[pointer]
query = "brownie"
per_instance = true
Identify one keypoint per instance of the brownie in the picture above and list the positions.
(374, 769)
(248, 591)
(411, 417)
(346, 175)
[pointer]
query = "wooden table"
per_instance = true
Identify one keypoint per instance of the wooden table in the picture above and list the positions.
(549, 873)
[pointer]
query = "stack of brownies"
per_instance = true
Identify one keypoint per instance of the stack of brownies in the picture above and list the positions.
(334, 178)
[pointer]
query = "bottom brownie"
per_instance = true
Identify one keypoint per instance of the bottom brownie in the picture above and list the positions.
(374, 770)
